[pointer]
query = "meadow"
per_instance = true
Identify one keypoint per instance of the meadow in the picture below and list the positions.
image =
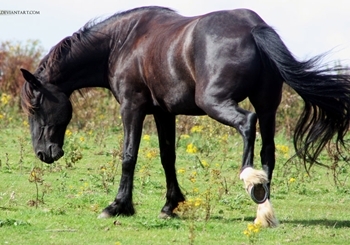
(59, 203)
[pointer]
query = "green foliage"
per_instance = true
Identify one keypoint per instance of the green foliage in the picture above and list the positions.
(12, 222)
(59, 198)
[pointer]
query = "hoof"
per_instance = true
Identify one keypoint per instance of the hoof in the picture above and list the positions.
(255, 182)
(116, 209)
(259, 193)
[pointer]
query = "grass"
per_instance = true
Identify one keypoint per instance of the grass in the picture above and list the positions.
(59, 203)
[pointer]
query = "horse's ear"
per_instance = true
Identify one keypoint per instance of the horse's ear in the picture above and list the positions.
(30, 78)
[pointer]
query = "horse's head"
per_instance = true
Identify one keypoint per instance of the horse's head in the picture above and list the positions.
(49, 112)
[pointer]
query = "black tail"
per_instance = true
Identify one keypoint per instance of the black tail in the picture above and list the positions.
(325, 91)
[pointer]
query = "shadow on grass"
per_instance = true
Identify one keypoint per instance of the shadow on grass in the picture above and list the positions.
(318, 222)
(315, 222)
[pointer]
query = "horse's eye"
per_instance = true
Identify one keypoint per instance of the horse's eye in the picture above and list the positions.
(38, 101)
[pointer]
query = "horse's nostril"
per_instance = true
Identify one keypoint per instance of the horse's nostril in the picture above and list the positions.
(40, 155)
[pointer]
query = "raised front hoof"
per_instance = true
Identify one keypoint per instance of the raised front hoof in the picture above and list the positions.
(116, 209)
(164, 215)
(259, 193)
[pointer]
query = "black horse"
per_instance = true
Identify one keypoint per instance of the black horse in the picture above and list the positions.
(158, 62)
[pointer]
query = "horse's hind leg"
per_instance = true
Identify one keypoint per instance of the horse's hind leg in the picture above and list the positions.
(166, 134)
(265, 103)
(225, 110)
(229, 113)
(265, 213)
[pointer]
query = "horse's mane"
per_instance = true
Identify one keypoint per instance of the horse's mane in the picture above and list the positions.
(26, 97)
(84, 37)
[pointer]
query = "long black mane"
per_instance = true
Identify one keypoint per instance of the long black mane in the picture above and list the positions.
(74, 47)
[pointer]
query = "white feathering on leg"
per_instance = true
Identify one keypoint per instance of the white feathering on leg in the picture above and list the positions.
(266, 215)
(251, 177)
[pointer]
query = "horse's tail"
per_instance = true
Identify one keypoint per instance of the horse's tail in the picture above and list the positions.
(325, 91)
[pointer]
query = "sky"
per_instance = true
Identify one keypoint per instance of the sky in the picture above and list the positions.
(308, 27)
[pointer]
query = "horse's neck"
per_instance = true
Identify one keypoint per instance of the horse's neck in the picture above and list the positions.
(90, 67)
(83, 69)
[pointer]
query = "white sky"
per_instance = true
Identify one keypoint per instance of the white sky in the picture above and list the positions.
(308, 27)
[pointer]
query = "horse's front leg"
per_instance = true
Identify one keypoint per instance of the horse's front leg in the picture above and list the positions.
(166, 134)
(132, 122)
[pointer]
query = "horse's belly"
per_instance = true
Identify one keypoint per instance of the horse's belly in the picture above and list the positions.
(179, 103)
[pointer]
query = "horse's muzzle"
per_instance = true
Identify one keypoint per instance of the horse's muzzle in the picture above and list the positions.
(53, 154)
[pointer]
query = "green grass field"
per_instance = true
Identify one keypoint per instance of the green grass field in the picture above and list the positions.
(59, 203)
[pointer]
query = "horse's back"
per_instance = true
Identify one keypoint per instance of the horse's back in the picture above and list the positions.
(178, 55)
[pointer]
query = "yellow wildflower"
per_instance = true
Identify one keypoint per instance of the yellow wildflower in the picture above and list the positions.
(181, 171)
(256, 229)
(68, 132)
(205, 164)
(151, 154)
(252, 231)
(184, 136)
(196, 129)
(191, 148)
(193, 176)
(5, 98)
(251, 227)
(224, 137)
(146, 137)
(197, 202)
(282, 148)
